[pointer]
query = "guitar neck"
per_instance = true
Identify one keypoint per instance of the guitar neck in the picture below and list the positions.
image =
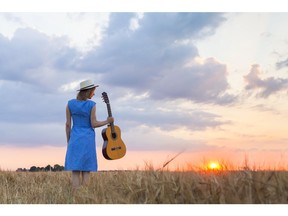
(110, 115)
(109, 110)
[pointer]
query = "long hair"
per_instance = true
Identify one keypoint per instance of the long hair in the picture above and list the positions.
(85, 94)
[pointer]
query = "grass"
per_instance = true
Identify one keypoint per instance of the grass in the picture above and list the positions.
(147, 187)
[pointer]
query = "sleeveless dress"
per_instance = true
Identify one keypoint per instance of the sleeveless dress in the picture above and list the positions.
(81, 149)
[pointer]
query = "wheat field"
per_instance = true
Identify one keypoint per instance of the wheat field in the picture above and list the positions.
(146, 187)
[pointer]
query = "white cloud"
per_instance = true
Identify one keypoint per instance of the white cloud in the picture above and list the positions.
(70, 87)
(83, 30)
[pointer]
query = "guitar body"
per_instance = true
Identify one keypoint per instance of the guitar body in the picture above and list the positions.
(113, 147)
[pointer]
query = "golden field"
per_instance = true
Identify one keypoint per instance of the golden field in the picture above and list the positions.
(151, 187)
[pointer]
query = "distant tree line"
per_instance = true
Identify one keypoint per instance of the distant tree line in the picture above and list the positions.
(48, 168)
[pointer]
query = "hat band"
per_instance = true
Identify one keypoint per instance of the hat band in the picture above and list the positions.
(87, 87)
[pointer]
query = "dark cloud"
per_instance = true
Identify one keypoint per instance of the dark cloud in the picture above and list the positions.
(153, 57)
(282, 64)
(266, 87)
(24, 104)
(26, 50)
(166, 27)
(202, 82)
(35, 58)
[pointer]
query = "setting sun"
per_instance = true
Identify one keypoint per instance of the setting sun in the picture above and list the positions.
(214, 166)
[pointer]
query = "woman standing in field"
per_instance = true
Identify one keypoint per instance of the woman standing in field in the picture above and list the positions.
(81, 156)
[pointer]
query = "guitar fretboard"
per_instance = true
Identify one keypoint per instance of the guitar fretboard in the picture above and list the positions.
(111, 124)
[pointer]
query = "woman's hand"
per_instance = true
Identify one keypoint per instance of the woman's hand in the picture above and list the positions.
(110, 120)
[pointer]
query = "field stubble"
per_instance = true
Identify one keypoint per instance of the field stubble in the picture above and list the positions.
(146, 187)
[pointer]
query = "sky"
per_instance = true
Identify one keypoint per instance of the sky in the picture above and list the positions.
(211, 86)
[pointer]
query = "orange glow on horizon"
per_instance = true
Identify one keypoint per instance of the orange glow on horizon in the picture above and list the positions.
(12, 158)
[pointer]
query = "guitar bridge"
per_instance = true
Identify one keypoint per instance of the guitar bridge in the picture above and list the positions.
(116, 148)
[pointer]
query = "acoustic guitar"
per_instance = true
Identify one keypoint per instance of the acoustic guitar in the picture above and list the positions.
(113, 146)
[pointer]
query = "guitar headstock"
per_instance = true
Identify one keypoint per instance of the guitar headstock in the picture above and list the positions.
(105, 97)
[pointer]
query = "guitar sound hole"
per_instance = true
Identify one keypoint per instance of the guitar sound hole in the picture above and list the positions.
(114, 135)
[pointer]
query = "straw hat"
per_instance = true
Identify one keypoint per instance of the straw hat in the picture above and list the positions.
(87, 84)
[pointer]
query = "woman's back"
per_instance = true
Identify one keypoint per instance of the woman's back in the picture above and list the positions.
(81, 151)
(81, 112)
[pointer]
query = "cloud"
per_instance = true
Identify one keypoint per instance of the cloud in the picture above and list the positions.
(203, 82)
(166, 117)
(152, 54)
(13, 18)
(152, 57)
(32, 134)
(34, 58)
(153, 139)
(265, 87)
(90, 25)
(282, 64)
(27, 50)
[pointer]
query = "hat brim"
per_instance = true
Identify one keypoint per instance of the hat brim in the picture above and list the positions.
(88, 87)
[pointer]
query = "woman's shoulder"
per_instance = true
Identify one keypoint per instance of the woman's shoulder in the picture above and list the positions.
(72, 101)
(91, 102)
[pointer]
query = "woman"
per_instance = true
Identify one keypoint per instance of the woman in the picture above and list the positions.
(81, 156)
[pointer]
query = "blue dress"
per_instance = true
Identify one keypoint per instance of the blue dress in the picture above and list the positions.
(81, 149)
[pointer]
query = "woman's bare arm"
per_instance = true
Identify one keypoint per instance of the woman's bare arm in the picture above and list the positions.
(68, 123)
(95, 123)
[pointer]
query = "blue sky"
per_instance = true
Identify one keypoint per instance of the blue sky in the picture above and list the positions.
(176, 81)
